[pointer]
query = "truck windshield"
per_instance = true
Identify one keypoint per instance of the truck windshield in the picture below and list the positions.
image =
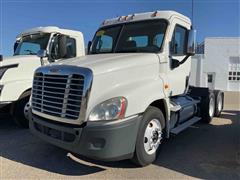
(31, 44)
(144, 36)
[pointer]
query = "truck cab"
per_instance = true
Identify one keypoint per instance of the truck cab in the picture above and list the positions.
(52, 44)
(127, 95)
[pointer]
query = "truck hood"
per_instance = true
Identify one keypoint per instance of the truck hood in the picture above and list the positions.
(18, 59)
(104, 63)
(27, 64)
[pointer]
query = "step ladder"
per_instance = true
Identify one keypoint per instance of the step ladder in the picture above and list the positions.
(185, 125)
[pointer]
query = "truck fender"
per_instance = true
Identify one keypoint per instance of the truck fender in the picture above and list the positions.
(163, 105)
(23, 95)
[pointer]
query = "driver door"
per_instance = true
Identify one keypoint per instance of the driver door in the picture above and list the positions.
(178, 76)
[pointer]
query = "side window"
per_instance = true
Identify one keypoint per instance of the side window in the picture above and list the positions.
(105, 44)
(71, 47)
(178, 43)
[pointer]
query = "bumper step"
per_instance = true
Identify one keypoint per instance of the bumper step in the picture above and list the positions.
(185, 125)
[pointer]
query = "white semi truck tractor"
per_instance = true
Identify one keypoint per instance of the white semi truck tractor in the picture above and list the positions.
(16, 73)
(127, 95)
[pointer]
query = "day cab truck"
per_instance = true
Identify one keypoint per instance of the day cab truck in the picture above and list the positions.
(127, 95)
(16, 72)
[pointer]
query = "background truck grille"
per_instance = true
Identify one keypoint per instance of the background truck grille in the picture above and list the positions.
(58, 95)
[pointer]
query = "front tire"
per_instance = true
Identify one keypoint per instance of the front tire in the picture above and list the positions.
(149, 137)
(20, 112)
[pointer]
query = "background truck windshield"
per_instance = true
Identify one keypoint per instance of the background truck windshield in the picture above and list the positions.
(144, 36)
(31, 44)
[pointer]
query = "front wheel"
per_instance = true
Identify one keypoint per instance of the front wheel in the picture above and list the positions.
(149, 137)
(20, 112)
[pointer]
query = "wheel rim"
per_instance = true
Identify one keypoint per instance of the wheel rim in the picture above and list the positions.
(220, 104)
(26, 110)
(211, 107)
(152, 136)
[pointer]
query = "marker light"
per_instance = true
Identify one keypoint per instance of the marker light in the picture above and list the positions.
(154, 14)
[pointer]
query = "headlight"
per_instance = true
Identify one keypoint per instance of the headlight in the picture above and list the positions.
(111, 109)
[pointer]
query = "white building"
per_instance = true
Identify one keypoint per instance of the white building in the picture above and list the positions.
(218, 64)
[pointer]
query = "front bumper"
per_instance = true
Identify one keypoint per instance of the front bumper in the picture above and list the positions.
(108, 141)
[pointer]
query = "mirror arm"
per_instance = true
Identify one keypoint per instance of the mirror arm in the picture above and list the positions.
(184, 59)
(41, 60)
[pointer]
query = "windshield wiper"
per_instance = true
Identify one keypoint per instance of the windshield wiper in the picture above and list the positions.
(30, 52)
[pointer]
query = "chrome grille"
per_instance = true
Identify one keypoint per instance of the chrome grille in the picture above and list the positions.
(58, 95)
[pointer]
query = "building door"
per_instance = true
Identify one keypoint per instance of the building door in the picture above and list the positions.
(211, 80)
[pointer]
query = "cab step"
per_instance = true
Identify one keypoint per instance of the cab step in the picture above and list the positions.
(185, 125)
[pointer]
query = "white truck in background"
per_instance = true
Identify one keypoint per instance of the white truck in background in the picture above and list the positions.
(16, 72)
(131, 92)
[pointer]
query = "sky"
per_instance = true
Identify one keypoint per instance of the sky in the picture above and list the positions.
(212, 18)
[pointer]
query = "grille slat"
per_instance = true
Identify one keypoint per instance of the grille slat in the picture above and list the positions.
(54, 97)
(49, 92)
(53, 87)
(55, 107)
(56, 83)
(58, 95)
(56, 103)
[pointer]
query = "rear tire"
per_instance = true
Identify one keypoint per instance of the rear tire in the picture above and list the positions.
(19, 112)
(149, 137)
(208, 108)
(219, 103)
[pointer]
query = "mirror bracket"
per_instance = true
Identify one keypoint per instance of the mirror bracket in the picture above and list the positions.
(42, 54)
(176, 63)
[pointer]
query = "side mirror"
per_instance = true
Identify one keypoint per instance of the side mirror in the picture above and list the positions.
(191, 45)
(1, 58)
(42, 53)
(89, 46)
(62, 46)
(15, 46)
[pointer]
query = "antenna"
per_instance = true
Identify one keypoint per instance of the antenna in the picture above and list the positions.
(192, 14)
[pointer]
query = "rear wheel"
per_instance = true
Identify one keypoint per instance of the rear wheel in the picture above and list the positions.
(219, 103)
(20, 112)
(208, 108)
(149, 137)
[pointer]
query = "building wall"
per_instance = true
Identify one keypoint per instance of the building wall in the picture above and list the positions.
(215, 64)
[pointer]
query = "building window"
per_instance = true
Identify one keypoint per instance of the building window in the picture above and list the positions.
(210, 78)
(234, 69)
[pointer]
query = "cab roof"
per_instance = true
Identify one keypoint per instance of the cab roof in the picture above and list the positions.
(50, 29)
(145, 16)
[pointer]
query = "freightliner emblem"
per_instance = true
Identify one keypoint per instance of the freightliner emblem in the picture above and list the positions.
(54, 70)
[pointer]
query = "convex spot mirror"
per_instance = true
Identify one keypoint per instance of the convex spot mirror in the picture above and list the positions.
(191, 45)
(42, 53)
